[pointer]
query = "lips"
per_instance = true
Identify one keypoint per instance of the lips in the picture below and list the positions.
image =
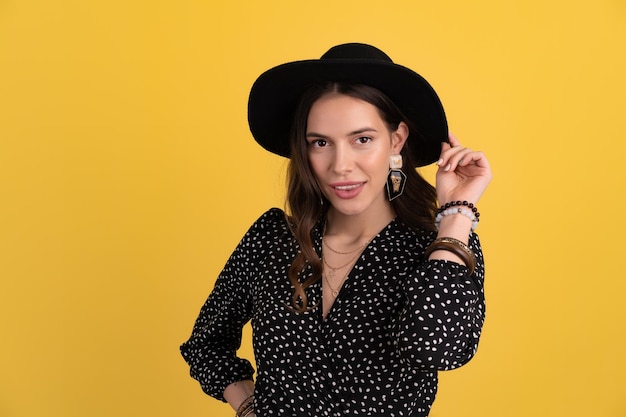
(347, 187)
(347, 190)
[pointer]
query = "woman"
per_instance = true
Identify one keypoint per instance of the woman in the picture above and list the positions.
(365, 289)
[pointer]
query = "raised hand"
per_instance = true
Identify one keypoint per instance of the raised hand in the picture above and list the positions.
(463, 174)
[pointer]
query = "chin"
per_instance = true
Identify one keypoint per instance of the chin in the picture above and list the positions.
(349, 209)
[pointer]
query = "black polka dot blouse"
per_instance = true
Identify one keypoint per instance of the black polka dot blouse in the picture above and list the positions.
(397, 320)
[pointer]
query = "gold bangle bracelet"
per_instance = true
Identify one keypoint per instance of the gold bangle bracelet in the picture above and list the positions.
(245, 406)
(247, 411)
(455, 246)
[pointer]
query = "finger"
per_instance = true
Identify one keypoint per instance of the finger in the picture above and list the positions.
(474, 157)
(460, 157)
(480, 160)
(452, 155)
(453, 140)
(445, 146)
(479, 163)
(448, 151)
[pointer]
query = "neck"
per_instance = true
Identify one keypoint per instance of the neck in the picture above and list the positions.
(359, 226)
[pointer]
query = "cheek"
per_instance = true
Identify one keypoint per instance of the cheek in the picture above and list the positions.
(379, 164)
(317, 165)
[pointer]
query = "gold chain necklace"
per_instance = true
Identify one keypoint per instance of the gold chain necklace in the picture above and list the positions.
(332, 269)
(335, 291)
(331, 274)
(342, 253)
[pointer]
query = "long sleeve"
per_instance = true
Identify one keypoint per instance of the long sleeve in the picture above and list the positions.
(396, 321)
(440, 325)
(216, 337)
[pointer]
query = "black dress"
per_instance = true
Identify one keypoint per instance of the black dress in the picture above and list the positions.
(397, 320)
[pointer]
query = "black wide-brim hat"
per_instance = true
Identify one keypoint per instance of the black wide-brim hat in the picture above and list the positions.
(275, 95)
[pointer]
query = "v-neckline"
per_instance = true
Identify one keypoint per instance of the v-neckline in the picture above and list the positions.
(319, 231)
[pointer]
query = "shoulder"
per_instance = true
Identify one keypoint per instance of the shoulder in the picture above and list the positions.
(271, 227)
(412, 239)
(271, 224)
(273, 217)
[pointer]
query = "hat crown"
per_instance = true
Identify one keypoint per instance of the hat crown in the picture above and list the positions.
(359, 51)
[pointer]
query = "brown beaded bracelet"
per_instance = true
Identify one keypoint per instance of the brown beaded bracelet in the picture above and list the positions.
(455, 246)
(464, 203)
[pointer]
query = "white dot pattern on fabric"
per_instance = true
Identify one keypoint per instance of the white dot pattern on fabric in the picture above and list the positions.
(397, 320)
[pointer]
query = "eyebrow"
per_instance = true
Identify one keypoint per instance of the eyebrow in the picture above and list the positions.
(354, 132)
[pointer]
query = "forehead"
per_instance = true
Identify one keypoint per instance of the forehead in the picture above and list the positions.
(336, 112)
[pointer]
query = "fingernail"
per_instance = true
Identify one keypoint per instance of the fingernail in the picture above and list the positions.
(447, 168)
(440, 161)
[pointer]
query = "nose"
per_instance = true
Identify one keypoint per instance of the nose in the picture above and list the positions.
(343, 160)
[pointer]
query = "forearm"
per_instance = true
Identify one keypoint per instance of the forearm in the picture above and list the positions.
(442, 290)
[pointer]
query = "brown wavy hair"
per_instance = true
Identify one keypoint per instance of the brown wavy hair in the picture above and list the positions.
(306, 203)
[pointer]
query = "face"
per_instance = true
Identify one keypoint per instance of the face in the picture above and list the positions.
(349, 146)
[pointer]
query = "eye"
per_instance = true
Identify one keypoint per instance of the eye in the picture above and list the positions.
(318, 143)
(364, 139)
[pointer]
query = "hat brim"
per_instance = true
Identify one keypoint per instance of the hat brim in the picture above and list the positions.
(275, 95)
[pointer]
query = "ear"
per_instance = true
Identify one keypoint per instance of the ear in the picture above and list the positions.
(399, 137)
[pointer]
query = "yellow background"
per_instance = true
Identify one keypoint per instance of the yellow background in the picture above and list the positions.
(127, 176)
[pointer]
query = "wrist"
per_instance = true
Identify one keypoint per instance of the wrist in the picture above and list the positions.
(246, 408)
(457, 209)
(449, 248)
(455, 225)
(238, 392)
